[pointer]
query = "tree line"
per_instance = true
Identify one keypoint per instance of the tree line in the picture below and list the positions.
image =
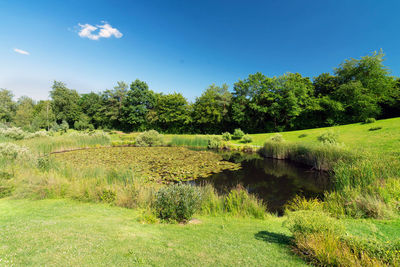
(357, 90)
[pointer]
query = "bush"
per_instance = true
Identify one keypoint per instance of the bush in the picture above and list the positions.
(278, 138)
(303, 135)
(247, 139)
(237, 134)
(226, 136)
(149, 138)
(11, 151)
(329, 137)
(310, 222)
(13, 133)
(177, 202)
(214, 142)
(369, 120)
(64, 126)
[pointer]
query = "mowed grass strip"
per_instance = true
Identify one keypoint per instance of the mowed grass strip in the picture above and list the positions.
(68, 233)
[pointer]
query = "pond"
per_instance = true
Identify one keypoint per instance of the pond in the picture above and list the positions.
(274, 181)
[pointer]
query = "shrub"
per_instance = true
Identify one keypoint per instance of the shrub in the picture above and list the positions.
(237, 134)
(214, 142)
(226, 136)
(369, 120)
(329, 137)
(149, 138)
(177, 202)
(43, 163)
(12, 152)
(310, 222)
(64, 126)
(278, 138)
(247, 139)
(13, 133)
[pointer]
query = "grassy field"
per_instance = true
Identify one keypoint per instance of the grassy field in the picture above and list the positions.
(358, 136)
(68, 233)
(64, 232)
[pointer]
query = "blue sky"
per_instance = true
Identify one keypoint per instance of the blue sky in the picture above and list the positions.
(184, 46)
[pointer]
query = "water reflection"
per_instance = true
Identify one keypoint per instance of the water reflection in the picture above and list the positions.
(274, 181)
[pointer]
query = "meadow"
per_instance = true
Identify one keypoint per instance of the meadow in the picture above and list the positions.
(98, 205)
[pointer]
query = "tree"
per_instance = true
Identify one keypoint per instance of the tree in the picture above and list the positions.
(370, 72)
(7, 105)
(24, 113)
(43, 115)
(325, 84)
(358, 102)
(171, 113)
(294, 98)
(113, 106)
(65, 103)
(136, 105)
(210, 111)
(92, 106)
(252, 101)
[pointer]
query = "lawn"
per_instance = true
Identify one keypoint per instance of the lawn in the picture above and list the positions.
(385, 140)
(68, 233)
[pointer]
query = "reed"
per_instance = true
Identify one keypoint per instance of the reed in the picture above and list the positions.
(196, 141)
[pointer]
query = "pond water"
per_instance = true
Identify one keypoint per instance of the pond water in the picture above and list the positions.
(274, 181)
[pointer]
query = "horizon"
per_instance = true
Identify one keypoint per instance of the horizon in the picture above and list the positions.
(184, 47)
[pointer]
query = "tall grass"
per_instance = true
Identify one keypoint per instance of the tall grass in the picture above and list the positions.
(319, 156)
(47, 145)
(196, 141)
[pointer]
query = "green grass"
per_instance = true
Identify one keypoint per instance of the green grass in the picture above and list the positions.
(385, 140)
(68, 233)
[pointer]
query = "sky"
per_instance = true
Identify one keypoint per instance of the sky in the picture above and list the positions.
(184, 46)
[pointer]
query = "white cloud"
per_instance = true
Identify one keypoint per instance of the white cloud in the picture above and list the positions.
(99, 31)
(19, 51)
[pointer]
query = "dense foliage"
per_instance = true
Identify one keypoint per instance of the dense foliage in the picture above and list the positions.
(177, 202)
(357, 91)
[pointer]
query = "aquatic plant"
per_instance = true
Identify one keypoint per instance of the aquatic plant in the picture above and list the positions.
(154, 163)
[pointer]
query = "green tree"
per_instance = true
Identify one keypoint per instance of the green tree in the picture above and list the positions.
(7, 105)
(136, 105)
(171, 113)
(371, 73)
(112, 109)
(254, 103)
(24, 113)
(65, 103)
(92, 106)
(358, 102)
(325, 84)
(43, 115)
(210, 110)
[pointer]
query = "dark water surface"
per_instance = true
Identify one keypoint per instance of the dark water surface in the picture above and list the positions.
(274, 181)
